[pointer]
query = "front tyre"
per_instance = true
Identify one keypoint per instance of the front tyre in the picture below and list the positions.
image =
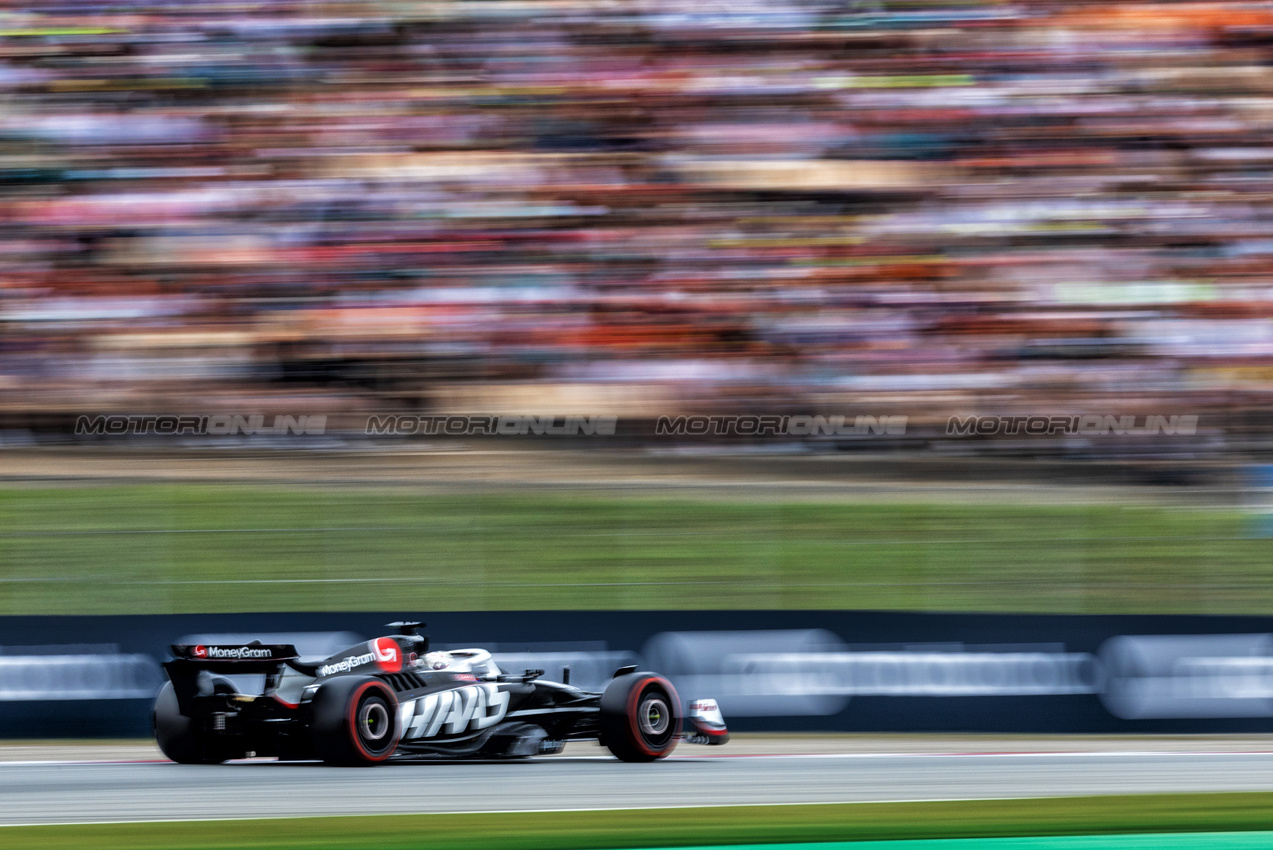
(640, 717)
(353, 721)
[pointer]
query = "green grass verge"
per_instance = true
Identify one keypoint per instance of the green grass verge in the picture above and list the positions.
(681, 827)
(189, 547)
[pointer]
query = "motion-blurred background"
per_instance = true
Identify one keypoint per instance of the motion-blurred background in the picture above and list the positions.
(897, 211)
(643, 208)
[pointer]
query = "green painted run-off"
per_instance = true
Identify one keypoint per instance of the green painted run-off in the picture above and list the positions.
(1162, 841)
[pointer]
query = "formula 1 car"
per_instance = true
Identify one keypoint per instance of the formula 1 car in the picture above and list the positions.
(392, 698)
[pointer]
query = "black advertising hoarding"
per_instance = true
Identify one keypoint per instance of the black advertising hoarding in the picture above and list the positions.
(771, 670)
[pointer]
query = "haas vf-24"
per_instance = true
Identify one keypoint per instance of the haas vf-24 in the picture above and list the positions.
(391, 698)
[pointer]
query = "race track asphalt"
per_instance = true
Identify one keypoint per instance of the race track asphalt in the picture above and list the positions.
(67, 792)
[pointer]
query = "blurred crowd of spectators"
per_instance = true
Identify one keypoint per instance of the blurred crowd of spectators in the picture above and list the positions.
(635, 206)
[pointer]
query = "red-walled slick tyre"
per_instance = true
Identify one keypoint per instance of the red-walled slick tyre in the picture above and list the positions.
(354, 721)
(640, 717)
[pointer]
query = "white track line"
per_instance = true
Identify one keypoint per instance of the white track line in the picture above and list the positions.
(727, 756)
(553, 811)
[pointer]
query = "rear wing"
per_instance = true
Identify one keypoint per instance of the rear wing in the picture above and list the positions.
(191, 659)
(254, 657)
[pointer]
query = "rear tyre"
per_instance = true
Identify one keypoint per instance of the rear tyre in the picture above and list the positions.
(187, 740)
(354, 721)
(640, 717)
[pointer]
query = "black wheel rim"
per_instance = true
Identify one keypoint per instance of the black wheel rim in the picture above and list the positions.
(654, 718)
(375, 724)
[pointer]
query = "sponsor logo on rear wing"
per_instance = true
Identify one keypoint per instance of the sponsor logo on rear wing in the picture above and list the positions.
(235, 652)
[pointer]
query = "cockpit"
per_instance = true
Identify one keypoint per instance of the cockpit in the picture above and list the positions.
(476, 661)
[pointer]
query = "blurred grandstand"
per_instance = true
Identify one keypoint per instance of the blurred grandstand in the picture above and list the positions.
(637, 208)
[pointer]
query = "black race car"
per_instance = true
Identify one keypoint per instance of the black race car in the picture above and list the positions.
(392, 698)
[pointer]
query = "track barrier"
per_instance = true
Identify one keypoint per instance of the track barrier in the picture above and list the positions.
(769, 670)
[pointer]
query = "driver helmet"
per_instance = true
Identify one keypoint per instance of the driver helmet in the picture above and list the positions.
(438, 660)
